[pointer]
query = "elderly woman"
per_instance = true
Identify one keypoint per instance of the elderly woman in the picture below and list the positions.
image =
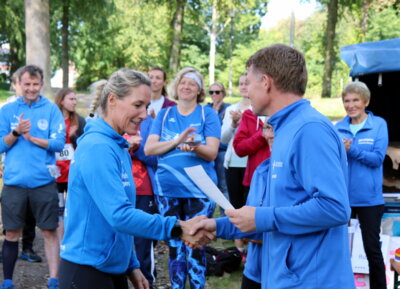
(101, 218)
(184, 135)
(365, 138)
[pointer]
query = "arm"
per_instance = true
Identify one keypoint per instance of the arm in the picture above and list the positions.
(248, 141)
(324, 181)
(209, 151)
(227, 130)
(56, 140)
(375, 157)
(102, 176)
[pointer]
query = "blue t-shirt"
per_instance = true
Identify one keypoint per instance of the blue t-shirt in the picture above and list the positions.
(171, 179)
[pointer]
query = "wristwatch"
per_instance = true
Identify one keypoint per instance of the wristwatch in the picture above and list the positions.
(176, 231)
(15, 133)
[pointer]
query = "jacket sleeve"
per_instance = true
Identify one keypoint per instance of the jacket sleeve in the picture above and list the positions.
(57, 131)
(144, 133)
(115, 207)
(318, 166)
(4, 130)
(226, 230)
(246, 141)
(375, 157)
(227, 131)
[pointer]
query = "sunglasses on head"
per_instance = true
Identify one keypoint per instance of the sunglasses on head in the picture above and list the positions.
(217, 92)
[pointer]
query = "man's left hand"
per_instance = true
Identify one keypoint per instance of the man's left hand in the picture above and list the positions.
(243, 218)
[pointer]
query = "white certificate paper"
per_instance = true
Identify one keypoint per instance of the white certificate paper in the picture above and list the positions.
(198, 175)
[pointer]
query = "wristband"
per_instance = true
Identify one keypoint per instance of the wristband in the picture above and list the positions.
(15, 133)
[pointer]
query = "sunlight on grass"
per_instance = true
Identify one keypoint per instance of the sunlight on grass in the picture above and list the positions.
(332, 108)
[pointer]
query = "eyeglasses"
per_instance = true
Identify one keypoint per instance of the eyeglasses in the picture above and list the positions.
(267, 126)
(217, 92)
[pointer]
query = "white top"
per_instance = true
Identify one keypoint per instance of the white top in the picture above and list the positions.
(156, 105)
(227, 134)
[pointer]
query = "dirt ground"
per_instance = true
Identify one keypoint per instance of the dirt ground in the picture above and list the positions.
(35, 275)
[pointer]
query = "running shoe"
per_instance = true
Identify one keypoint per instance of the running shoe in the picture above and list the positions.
(30, 256)
(7, 284)
(53, 283)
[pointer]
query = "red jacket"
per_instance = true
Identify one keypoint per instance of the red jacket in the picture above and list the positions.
(249, 141)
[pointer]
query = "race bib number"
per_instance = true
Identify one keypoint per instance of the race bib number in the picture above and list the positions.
(67, 154)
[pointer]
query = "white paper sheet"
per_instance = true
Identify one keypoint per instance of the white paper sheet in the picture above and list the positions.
(198, 175)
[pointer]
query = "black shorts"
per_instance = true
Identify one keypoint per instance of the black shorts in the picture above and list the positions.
(42, 200)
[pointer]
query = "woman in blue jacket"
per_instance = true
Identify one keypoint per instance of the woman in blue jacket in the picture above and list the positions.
(365, 138)
(100, 215)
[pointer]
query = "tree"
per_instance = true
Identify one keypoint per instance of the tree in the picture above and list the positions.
(37, 27)
(177, 27)
(12, 31)
(332, 18)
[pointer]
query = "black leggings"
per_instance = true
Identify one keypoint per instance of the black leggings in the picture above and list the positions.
(75, 276)
(250, 284)
(237, 191)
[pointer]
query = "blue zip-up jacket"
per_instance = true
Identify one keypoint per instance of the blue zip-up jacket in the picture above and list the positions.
(365, 157)
(100, 214)
(26, 164)
(227, 230)
(305, 214)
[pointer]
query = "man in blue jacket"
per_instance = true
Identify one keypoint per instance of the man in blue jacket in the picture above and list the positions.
(304, 214)
(31, 131)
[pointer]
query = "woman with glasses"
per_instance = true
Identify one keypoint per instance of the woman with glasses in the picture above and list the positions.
(217, 94)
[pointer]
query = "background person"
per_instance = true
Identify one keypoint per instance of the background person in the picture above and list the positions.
(31, 132)
(184, 135)
(365, 138)
(235, 166)
(66, 100)
(159, 95)
(28, 233)
(101, 218)
(217, 93)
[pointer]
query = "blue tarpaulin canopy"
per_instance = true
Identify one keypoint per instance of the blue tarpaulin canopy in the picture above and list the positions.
(372, 57)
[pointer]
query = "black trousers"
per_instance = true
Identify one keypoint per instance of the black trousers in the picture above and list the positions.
(370, 222)
(250, 284)
(237, 191)
(75, 276)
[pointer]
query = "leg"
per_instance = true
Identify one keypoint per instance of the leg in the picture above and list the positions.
(75, 276)
(144, 248)
(177, 251)
(249, 284)
(62, 188)
(28, 236)
(220, 170)
(52, 251)
(13, 211)
(370, 221)
(197, 258)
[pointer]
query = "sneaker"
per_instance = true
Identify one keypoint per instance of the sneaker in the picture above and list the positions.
(7, 284)
(30, 256)
(53, 283)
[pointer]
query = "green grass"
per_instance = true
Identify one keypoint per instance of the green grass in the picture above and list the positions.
(330, 107)
(4, 94)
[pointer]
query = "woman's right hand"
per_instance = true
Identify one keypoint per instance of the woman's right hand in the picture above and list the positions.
(185, 136)
(236, 116)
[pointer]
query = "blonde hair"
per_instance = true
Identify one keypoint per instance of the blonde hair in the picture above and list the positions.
(120, 83)
(174, 86)
(221, 86)
(359, 88)
(96, 89)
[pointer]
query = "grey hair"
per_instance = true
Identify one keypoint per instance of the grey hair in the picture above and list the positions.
(120, 83)
(359, 88)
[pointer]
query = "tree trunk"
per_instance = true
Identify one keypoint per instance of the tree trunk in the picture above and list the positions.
(329, 48)
(213, 40)
(37, 29)
(65, 47)
(177, 26)
(364, 19)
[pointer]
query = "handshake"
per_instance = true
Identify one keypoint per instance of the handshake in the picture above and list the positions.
(200, 230)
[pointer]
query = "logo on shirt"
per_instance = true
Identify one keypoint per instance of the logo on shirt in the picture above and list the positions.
(171, 119)
(366, 141)
(275, 164)
(43, 124)
(125, 181)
